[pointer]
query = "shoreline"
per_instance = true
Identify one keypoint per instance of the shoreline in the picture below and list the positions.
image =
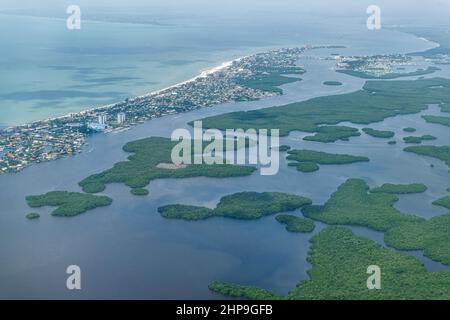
(202, 74)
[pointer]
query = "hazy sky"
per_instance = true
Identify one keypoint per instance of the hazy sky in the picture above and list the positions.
(393, 11)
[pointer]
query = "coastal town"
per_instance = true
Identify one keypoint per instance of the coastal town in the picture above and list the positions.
(380, 66)
(245, 79)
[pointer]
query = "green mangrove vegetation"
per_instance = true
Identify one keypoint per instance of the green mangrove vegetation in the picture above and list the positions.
(445, 121)
(409, 129)
(329, 134)
(139, 191)
(243, 292)
(185, 212)
(443, 202)
(375, 102)
(32, 216)
(339, 262)
(332, 83)
(431, 236)
(243, 205)
(352, 204)
(378, 133)
(393, 75)
(270, 78)
(296, 224)
(400, 188)
(145, 165)
(412, 139)
(309, 160)
(68, 203)
(442, 153)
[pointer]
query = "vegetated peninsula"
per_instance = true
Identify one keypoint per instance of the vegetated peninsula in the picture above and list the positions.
(339, 261)
(352, 204)
(394, 75)
(145, 165)
(270, 78)
(243, 205)
(378, 133)
(441, 153)
(68, 203)
(400, 188)
(412, 139)
(438, 120)
(329, 134)
(296, 224)
(443, 202)
(432, 236)
(375, 102)
(309, 160)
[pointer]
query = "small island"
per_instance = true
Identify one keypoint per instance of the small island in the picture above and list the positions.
(243, 205)
(296, 224)
(283, 148)
(68, 203)
(400, 188)
(378, 133)
(328, 134)
(392, 142)
(417, 140)
(409, 129)
(332, 83)
(32, 216)
(309, 160)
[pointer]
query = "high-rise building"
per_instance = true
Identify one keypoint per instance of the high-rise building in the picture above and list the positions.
(120, 118)
(102, 119)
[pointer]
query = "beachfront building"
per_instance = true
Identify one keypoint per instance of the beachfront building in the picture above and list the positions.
(102, 119)
(120, 118)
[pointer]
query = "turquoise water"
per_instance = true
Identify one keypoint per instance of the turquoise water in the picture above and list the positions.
(48, 70)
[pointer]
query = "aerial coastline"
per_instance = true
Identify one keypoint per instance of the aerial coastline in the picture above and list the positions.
(234, 80)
